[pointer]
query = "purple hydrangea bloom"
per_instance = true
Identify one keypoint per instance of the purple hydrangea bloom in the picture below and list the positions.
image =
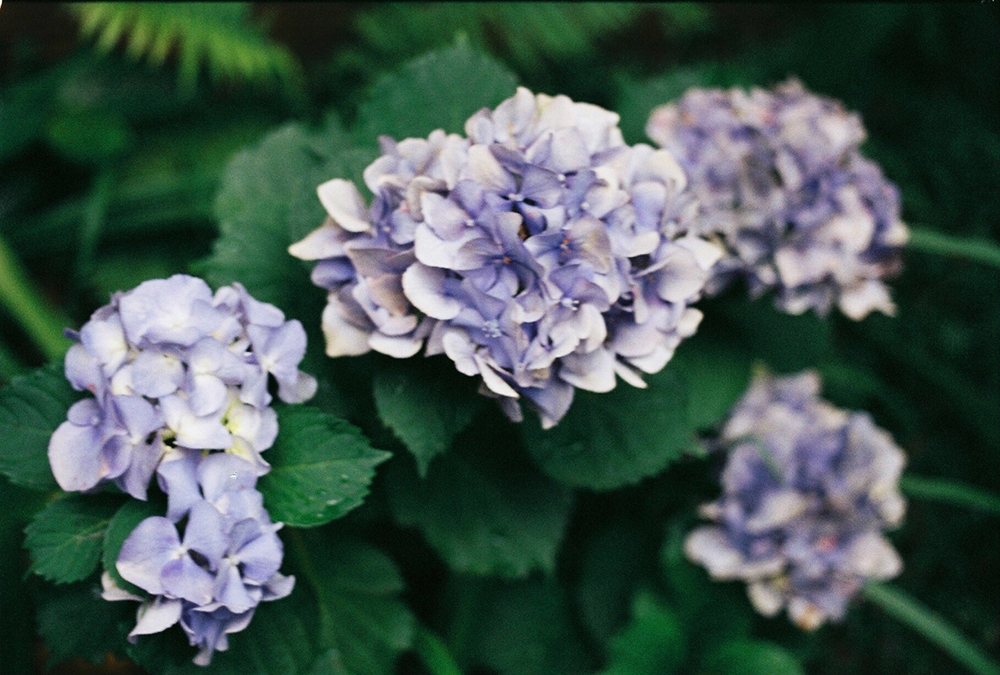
(807, 490)
(539, 253)
(211, 561)
(784, 187)
(172, 366)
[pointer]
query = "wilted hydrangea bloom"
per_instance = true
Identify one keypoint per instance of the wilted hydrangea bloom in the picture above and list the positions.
(807, 490)
(784, 186)
(211, 573)
(172, 365)
(539, 252)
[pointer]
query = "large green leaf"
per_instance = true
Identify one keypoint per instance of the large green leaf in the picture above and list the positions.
(519, 628)
(321, 467)
(31, 408)
(363, 623)
(654, 643)
(425, 403)
(609, 440)
(439, 90)
(716, 375)
(17, 649)
(751, 657)
(483, 507)
(66, 537)
(75, 622)
(267, 202)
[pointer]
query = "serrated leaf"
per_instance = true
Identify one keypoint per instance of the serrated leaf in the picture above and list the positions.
(653, 643)
(520, 628)
(66, 537)
(439, 90)
(426, 403)
(74, 621)
(122, 523)
(483, 508)
(617, 438)
(715, 376)
(363, 623)
(31, 408)
(268, 201)
(751, 657)
(321, 467)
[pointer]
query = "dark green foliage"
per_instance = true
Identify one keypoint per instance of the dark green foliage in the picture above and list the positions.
(66, 537)
(30, 410)
(110, 177)
(437, 91)
(425, 403)
(615, 439)
(483, 508)
(320, 468)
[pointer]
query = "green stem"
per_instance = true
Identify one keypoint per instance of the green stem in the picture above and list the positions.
(906, 609)
(433, 652)
(43, 323)
(948, 492)
(94, 217)
(977, 250)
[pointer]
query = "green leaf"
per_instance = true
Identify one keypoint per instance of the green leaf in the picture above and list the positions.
(268, 201)
(425, 403)
(715, 374)
(618, 438)
(126, 519)
(88, 136)
(363, 623)
(613, 565)
(439, 90)
(751, 657)
(65, 538)
(483, 508)
(518, 628)
(786, 343)
(321, 468)
(329, 663)
(74, 621)
(31, 408)
(653, 643)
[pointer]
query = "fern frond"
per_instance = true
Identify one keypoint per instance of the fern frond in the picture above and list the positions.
(523, 33)
(216, 35)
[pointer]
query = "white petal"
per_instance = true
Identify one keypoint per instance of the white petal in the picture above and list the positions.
(344, 204)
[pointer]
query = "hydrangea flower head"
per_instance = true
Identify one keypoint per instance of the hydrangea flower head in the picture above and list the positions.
(538, 252)
(211, 578)
(807, 490)
(172, 365)
(784, 187)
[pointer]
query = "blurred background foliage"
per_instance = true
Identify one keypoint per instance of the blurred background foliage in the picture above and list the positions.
(117, 121)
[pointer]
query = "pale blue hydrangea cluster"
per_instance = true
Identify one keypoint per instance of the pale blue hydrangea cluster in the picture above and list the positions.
(807, 491)
(783, 185)
(539, 252)
(177, 372)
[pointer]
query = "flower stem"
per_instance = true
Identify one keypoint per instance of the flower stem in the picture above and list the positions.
(948, 492)
(43, 323)
(433, 652)
(977, 250)
(906, 609)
